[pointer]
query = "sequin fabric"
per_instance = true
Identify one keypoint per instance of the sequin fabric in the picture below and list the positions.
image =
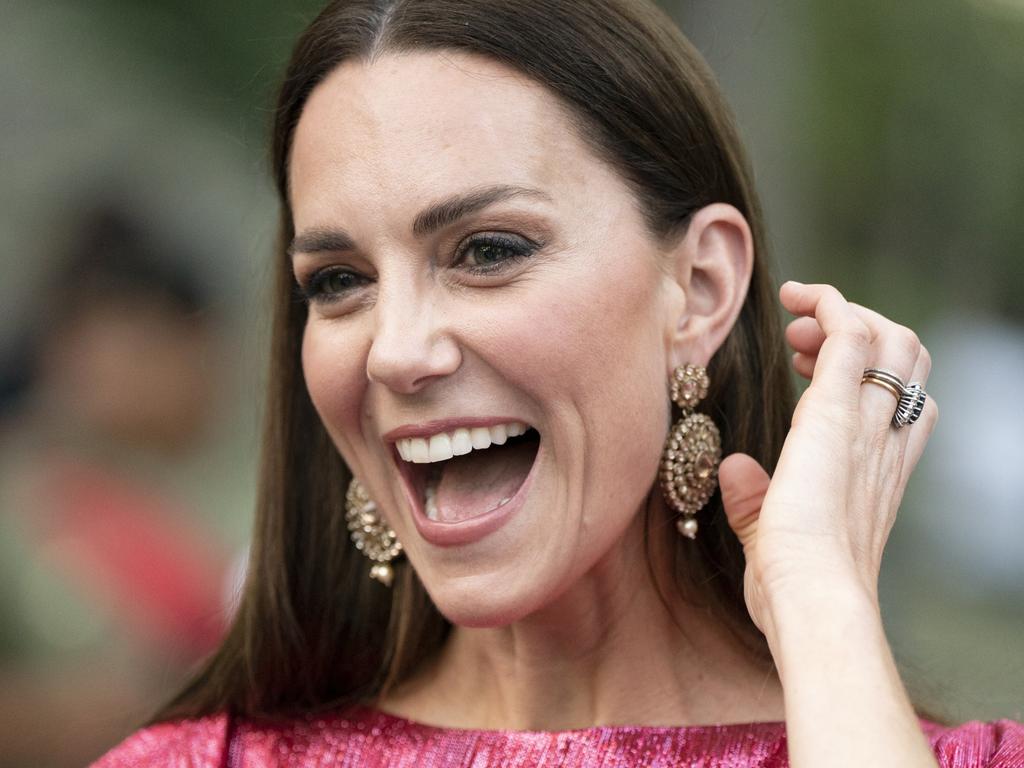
(372, 739)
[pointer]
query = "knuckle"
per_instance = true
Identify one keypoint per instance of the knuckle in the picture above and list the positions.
(908, 341)
(831, 290)
(856, 333)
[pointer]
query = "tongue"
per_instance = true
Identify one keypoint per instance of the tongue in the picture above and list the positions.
(478, 482)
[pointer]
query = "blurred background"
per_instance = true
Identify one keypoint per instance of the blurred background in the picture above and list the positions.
(136, 226)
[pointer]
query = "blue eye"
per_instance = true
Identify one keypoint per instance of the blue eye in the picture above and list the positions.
(488, 253)
(331, 284)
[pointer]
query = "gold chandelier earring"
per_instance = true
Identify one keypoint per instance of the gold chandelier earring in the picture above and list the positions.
(371, 535)
(693, 449)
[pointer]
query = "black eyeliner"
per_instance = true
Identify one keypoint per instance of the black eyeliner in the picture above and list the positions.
(312, 291)
(518, 247)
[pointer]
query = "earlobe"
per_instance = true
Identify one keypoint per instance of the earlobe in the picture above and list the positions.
(712, 264)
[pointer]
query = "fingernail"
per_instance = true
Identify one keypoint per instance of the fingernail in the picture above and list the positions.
(794, 282)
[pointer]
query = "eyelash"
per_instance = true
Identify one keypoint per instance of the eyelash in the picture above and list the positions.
(518, 249)
(313, 290)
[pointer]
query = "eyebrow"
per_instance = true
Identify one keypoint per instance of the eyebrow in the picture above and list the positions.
(433, 218)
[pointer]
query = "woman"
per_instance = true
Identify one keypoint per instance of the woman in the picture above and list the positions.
(516, 230)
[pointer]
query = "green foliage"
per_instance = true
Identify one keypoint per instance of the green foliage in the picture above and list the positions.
(917, 160)
(229, 55)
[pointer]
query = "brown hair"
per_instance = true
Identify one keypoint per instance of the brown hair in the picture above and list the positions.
(312, 631)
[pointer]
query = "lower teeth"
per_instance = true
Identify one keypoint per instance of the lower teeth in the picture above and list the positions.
(430, 505)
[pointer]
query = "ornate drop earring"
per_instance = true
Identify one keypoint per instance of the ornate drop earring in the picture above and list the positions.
(689, 463)
(372, 536)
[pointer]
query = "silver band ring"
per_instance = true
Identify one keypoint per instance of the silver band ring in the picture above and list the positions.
(881, 374)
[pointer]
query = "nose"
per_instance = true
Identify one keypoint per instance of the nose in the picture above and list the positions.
(412, 344)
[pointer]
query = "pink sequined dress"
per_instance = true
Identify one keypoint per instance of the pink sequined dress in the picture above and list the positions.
(372, 739)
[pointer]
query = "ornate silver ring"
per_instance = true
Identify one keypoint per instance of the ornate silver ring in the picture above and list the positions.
(910, 398)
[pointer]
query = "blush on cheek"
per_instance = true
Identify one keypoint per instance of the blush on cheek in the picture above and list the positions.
(335, 379)
(598, 317)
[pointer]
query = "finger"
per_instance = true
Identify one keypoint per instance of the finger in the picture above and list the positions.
(923, 366)
(899, 345)
(804, 364)
(744, 484)
(805, 335)
(896, 349)
(845, 352)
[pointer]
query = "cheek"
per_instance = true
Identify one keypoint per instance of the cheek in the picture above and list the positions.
(599, 343)
(595, 363)
(617, 341)
(335, 379)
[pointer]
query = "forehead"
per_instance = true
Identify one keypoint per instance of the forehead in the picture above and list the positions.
(407, 127)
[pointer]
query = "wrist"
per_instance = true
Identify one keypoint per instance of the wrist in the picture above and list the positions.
(822, 614)
(823, 593)
(832, 656)
(816, 582)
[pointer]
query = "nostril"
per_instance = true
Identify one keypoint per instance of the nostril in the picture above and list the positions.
(408, 367)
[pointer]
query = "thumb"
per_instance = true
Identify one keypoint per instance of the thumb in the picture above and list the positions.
(744, 483)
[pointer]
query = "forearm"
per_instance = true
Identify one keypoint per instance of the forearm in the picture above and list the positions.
(845, 703)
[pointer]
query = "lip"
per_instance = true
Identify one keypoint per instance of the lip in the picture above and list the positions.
(428, 428)
(466, 531)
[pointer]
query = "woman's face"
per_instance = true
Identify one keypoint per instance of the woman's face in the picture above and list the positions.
(471, 266)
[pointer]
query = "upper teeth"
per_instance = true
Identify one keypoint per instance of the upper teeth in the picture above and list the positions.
(444, 445)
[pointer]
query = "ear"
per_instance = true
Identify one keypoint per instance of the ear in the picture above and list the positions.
(711, 265)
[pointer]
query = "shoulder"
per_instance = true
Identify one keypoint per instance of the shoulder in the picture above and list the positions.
(975, 744)
(199, 743)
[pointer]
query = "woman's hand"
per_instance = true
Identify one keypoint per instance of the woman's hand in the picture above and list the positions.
(821, 523)
(813, 535)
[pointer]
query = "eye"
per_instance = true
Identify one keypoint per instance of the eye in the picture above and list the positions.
(491, 252)
(331, 284)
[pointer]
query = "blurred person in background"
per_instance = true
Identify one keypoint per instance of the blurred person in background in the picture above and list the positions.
(109, 586)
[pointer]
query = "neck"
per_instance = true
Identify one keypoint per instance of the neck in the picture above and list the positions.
(609, 651)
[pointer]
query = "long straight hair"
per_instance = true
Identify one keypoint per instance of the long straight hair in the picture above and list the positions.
(312, 631)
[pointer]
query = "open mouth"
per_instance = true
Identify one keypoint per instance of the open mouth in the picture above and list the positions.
(464, 473)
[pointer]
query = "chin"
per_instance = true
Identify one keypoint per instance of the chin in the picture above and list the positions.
(485, 601)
